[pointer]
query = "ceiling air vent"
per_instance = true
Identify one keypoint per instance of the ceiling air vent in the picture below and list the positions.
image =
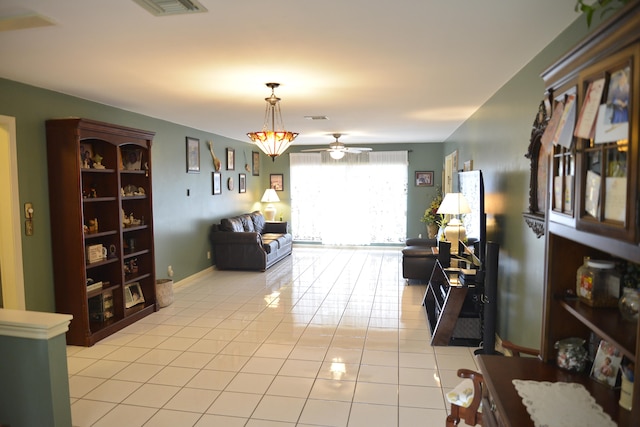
(171, 7)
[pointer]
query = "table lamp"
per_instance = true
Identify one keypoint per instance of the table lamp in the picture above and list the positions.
(270, 196)
(454, 204)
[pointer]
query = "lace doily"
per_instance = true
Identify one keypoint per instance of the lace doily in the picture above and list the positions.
(561, 404)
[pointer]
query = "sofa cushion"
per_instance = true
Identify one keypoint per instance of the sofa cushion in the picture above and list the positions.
(247, 222)
(280, 239)
(231, 224)
(258, 221)
(418, 251)
(270, 246)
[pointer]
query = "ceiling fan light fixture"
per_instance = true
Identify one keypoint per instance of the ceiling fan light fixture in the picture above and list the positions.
(273, 139)
(337, 149)
(336, 155)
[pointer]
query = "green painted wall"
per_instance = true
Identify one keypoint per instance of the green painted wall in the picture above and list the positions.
(496, 137)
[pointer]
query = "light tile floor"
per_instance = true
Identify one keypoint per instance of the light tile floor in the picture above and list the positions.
(327, 337)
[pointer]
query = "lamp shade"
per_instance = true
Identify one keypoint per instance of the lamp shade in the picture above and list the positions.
(454, 204)
(270, 196)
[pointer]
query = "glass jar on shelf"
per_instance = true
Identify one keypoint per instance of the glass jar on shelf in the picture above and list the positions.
(629, 304)
(597, 283)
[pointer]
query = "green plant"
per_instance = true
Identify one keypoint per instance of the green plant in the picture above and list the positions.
(604, 6)
(431, 215)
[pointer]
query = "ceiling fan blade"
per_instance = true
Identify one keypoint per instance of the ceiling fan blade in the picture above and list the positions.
(356, 150)
(314, 150)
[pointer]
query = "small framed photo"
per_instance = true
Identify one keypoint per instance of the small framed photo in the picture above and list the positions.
(424, 179)
(131, 159)
(86, 156)
(242, 183)
(467, 166)
(231, 159)
(255, 163)
(276, 181)
(606, 364)
(216, 182)
(193, 155)
(133, 295)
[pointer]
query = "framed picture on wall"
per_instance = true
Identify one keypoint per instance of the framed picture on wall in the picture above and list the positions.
(216, 182)
(231, 159)
(255, 163)
(242, 183)
(424, 179)
(276, 181)
(193, 155)
(450, 171)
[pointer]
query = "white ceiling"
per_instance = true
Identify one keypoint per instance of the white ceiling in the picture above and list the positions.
(383, 71)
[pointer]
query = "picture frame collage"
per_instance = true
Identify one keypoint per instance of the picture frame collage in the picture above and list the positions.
(193, 166)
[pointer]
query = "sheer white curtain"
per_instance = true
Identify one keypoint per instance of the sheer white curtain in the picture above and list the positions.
(358, 200)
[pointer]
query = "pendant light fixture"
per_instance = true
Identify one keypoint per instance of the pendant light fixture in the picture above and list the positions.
(273, 139)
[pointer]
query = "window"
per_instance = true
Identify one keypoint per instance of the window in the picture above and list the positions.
(358, 200)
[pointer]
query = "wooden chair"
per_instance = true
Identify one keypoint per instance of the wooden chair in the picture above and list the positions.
(466, 398)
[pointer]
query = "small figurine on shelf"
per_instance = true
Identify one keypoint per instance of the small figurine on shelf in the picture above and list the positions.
(125, 219)
(97, 161)
(93, 225)
(93, 193)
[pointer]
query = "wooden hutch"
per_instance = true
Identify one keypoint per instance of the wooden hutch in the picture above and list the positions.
(592, 210)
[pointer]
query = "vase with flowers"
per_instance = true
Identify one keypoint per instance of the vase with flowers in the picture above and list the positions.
(432, 218)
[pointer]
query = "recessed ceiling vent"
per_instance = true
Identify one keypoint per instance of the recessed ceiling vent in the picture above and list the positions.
(171, 7)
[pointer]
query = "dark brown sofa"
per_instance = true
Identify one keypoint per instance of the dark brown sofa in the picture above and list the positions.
(248, 242)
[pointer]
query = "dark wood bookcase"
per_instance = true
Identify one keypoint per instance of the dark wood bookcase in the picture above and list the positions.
(101, 225)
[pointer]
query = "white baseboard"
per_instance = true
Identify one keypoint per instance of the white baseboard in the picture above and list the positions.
(193, 277)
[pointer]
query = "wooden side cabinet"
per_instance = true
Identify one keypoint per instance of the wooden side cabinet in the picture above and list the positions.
(100, 200)
(453, 310)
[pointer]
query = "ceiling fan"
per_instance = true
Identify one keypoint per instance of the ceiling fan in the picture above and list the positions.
(337, 149)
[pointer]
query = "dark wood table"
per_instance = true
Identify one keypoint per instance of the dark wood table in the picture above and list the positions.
(502, 406)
